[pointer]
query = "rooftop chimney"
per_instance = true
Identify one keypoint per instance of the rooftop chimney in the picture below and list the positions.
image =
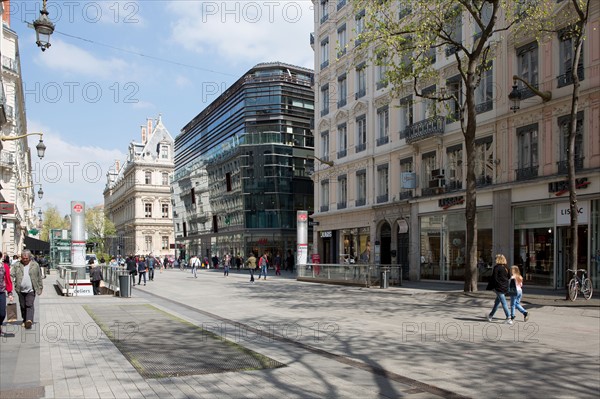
(144, 137)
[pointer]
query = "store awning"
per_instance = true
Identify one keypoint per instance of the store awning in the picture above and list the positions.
(37, 246)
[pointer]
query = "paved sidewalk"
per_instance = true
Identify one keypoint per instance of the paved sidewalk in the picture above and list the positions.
(420, 340)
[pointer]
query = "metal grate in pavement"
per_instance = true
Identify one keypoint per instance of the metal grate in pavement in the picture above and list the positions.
(159, 344)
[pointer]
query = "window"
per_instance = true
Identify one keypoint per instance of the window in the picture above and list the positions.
(165, 242)
(428, 105)
(361, 81)
(165, 211)
(340, 4)
(484, 161)
(383, 125)
(193, 196)
(360, 26)
(527, 57)
(148, 210)
(148, 240)
(342, 140)
(406, 116)
(454, 89)
(566, 53)
(381, 71)
(428, 165)
(325, 196)
(165, 179)
(527, 140)
(342, 90)
(325, 99)
(164, 151)
(342, 38)
(455, 34)
(361, 133)
(361, 187)
(325, 53)
(454, 167)
(342, 192)
(486, 17)
(563, 124)
(484, 93)
(382, 183)
(324, 10)
(148, 177)
(406, 185)
(325, 145)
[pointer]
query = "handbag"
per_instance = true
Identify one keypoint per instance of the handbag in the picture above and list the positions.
(11, 312)
(102, 285)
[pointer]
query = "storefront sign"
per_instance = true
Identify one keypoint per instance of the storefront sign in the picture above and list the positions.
(326, 234)
(561, 187)
(563, 213)
(446, 203)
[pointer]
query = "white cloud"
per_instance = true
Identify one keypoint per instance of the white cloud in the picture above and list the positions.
(245, 32)
(143, 105)
(69, 59)
(69, 172)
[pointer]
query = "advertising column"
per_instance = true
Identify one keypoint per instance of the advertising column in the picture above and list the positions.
(302, 240)
(78, 237)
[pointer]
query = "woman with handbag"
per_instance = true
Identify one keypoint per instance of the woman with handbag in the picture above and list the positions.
(499, 284)
(6, 287)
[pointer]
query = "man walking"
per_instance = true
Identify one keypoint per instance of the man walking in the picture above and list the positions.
(195, 262)
(28, 283)
(151, 263)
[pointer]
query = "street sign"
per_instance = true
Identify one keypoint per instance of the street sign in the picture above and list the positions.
(7, 208)
(311, 223)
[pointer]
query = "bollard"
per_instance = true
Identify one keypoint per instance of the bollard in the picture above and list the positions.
(383, 278)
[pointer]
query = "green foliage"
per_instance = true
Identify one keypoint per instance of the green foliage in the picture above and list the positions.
(52, 220)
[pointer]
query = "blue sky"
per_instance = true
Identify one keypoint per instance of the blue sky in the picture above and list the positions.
(91, 90)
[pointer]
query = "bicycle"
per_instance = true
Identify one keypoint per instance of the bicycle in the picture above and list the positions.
(581, 284)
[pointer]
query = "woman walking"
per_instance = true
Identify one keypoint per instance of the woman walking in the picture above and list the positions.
(6, 288)
(499, 284)
(515, 300)
(141, 268)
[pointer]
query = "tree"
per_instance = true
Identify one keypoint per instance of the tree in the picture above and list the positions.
(404, 36)
(571, 25)
(99, 227)
(52, 219)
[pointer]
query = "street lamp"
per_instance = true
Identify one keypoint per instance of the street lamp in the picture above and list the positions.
(43, 28)
(40, 192)
(515, 95)
(40, 147)
(326, 162)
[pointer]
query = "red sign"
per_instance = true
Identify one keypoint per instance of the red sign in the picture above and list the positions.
(6, 208)
(78, 208)
(302, 217)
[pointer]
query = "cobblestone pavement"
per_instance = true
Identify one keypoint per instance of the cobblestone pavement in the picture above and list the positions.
(421, 340)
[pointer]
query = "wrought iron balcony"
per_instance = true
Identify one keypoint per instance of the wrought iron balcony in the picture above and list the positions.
(484, 106)
(324, 111)
(361, 147)
(425, 192)
(382, 198)
(324, 18)
(324, 64)
(342, 153)
(454, 185)
(341, 205)
(527, 173)
(567, 79)
(360, 93)
(324, 208)
(404, 195)
(563, 167)
(431, 127)
(360, 202)
(383, 140)
(341, 103)
(481, 181)
(381, 84)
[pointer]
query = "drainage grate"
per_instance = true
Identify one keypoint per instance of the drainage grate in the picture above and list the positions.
(160, 345)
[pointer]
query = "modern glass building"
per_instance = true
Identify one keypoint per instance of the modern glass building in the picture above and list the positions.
(254, 145)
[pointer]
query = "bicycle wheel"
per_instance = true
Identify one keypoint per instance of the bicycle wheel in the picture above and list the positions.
(587, 288)
(573, 287)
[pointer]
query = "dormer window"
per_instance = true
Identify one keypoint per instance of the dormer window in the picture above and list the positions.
(164, 151)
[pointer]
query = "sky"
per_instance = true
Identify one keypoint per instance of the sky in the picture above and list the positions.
(113, 64)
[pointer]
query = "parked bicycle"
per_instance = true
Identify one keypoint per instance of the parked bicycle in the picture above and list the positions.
(581, 284)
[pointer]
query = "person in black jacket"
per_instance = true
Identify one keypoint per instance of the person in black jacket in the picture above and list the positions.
(499, 283)
(131, 267)
(95, 276)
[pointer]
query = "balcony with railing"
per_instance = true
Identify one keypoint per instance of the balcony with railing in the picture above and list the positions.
(342, 153)
(563, 166)
(359, 94)
(341, 205)
(7, 159)
(454, 185)
(360, 202)
(383, 140)
(325, 111)
(567, 78)
(10, 64)
(383, 198)
(404, 195)
(361, 147)
(431, 127)
(341, 103)
(481, 181)
(324, 208)
(484, 106)
(530, 172)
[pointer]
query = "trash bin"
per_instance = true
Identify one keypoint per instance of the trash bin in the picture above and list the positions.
(383, 278)
(124, 285)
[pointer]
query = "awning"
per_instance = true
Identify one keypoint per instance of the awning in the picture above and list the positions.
(37, 246)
